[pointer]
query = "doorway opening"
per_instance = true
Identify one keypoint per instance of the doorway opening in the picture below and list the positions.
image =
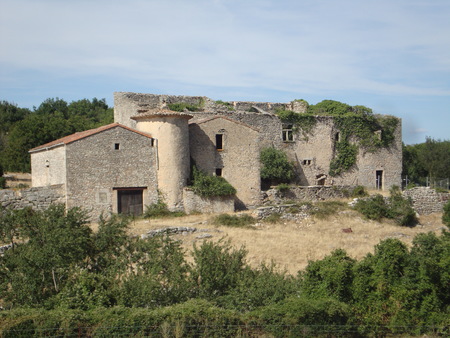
(379, 179)
(130, 201)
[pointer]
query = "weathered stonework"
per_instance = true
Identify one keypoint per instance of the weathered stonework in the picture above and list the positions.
(303, 193)
(195, 203)
(39, 198)
(223, 138)
(237, 159)
(426, 200)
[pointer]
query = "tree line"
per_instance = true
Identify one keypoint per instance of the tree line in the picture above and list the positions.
(428, 159)
(22, 129)
(61, 278)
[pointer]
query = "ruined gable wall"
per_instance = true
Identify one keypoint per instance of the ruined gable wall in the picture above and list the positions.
(239, 158)
(48, 167)
(95, 167)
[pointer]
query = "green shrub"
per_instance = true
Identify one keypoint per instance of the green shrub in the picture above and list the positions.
(283, 187)
(446, 215)
(325, 209)
(359, 191)
(2, 182)
(237, 221)
(160, 210)
(182, 106)
(210, 186)
(217, 268)
(273, 218)
(374, 208)
(276, 166)
(396, 207)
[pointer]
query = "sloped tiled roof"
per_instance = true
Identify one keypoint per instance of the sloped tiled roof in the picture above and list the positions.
(225, 118)
(82, 134)
(146, 113)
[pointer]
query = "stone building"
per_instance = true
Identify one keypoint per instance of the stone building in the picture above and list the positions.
(108, 169)
(149, 149)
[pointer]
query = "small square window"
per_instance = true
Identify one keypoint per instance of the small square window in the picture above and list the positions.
(218, 171)
(116, 146)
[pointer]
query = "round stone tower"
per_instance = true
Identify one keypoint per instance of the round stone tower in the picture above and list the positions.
(170, 129)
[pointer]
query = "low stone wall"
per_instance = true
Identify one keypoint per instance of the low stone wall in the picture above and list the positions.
(426, 200)
(195, 203)
(38, 198)
(306, 193)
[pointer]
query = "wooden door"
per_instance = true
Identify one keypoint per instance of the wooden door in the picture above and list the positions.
(130, 202)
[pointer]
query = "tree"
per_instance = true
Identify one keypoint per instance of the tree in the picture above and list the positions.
(276, 167)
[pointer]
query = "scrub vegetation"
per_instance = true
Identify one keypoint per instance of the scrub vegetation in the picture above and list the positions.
(62, 278)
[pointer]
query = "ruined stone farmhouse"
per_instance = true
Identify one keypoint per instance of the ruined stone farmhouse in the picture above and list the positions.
(149, 150)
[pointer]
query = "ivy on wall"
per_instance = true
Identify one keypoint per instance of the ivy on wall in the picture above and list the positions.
(359, 129)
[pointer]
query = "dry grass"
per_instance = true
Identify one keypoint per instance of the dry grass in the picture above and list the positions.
(291, 245)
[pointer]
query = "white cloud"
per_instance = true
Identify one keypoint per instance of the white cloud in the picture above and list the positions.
(368, 46)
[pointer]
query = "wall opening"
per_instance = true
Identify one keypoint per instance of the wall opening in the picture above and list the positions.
(379, 179)
(321, 179)
(287, 133)
(218, 171)
(219, 141)
(130, 201)
(116, 146)
(307, 161)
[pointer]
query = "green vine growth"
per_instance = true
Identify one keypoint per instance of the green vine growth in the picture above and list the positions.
(359, 128)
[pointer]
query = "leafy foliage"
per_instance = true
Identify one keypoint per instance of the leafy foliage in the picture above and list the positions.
(358, 127)
(446, 215)
(160, 209)
(63, 279)
(396, 207)
(210, 186)
(276, 166)
(240, 221)
(22, 129)
(428, 159)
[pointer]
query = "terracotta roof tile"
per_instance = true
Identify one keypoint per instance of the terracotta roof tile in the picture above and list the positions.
(82, 134)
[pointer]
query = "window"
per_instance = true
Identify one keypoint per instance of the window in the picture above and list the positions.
(116, 146)
(288, 133)
(218, 171)
(307, 161)
(219, 141)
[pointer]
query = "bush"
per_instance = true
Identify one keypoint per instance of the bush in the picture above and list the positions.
(446, 215)
(210, 186)
(234, 220)
(359, 191)
(276, 166)
(159, 210)
(2, 182)
(374, 208)
(396, 207)
(327, 208)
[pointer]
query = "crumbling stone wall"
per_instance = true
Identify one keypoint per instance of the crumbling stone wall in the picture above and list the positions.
(38, 198)
(194, 203)
(426, 200)
(303, 193)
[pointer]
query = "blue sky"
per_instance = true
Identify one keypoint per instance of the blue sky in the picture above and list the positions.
(390, 55)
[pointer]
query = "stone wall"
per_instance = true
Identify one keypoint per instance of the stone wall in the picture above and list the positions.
(426, 200)
(100, 165)
(38, 198)
(303, 193)
(237, 160)
(195, 203)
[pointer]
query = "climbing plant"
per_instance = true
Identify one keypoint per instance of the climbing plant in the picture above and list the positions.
(359, 128)
(208, 185)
